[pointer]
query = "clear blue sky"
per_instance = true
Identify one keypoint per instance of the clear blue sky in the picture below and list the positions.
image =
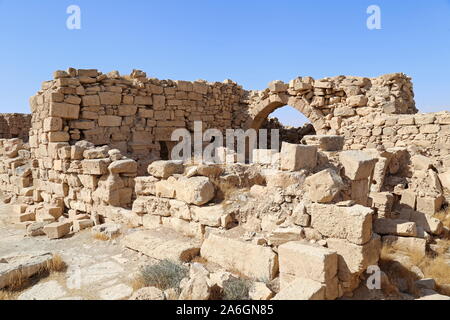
(251, 42)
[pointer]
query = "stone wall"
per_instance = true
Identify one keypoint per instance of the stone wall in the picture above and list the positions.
(15, 125)
(134, 114)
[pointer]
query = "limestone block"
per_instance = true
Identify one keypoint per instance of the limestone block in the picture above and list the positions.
(354, 259)
(90, 100)
(445, 180)
(278, 86)
(295, 157)
(110, 98)
(209, 215)
(229, 253)
(303, 260)
(420, 162)
(408, 199)
(53, 124)
(166, 188)
(164, 169)
(351, 223)
(64, 110)
(358, 165)
(59, 136)
(82, 224)
(282, 235)
(57, 230)
(395, 227)
(195, 190)
(128, 166)
(302, 289)
(95, 166)
(406, 245)
(163, 243)
(145, 186)
(325, 143)
(186, 228)
(260, 291)
(109, 121)
(429, 205)
(357, 101)
(324, 186)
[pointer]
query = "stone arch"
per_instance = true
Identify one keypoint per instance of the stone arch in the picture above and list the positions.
(259, 110)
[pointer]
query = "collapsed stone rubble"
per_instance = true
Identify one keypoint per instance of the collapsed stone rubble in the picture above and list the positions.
(312, 216)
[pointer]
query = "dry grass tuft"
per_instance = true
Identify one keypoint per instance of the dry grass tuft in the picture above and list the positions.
(199, 259)
(436, 267)
(56, 264)
(6, 295)
(444, 216)
(101, 236)
(138, 282)
(164, 275)
(20, 281)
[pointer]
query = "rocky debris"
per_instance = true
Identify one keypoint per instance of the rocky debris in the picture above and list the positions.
(196, 288)
(148, 293)
(260, 291)
(324, 186)
(163, 244)
(108, 229)
(295, 157)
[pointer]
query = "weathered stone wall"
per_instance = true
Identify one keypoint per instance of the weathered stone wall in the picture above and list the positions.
(424, 133)
(133, 114)
(15, 125)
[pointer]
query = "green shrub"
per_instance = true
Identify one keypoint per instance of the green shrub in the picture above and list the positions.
(164, 275)
(236, 289)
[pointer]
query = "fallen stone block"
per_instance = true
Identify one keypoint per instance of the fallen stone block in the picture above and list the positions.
(358, 165)
(21, 266)
(209, 215)
(406, 245)
(36, 229)
(325, 143)
(79, 225)
(354, 259)
(351, 223)
(163, 243)
(445, 180)
(302, 289)
(395, 227)
(164, 169)
(108, 229)
(57, 230)
(259, 291)
(295, 157)
(324, 186)
(282, 235)
(429, 205)
(229, 253)
(303, 260)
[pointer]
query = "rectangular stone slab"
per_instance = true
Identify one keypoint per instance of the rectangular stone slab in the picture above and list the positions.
(163, 243)
(251, 260)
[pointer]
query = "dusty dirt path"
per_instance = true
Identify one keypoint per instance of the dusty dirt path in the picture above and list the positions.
(96, 269)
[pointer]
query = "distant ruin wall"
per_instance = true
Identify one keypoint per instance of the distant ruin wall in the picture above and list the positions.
(15, 125)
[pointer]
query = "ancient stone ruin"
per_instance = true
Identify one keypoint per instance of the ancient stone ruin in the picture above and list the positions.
(368, 180)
